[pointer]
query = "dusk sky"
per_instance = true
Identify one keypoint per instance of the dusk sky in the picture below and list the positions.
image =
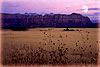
(52, 6)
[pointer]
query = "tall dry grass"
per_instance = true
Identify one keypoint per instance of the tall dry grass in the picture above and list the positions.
(53, 50)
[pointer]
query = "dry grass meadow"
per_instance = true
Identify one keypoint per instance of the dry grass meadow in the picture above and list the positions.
(50, 46)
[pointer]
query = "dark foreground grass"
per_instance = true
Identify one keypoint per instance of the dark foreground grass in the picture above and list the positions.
(62, 56)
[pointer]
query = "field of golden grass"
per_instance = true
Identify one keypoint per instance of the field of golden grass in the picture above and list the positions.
(50, 46)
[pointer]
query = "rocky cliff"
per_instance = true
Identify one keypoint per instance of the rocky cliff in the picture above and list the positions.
(47, 20)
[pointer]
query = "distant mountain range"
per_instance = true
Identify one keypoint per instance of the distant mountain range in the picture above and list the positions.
(95, 21)
(73, 20)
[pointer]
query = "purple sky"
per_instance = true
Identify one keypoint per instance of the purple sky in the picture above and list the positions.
(52, 6)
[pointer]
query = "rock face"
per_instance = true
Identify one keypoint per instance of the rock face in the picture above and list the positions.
(48, 20)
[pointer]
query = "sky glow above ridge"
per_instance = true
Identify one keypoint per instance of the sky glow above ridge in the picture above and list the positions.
(52, 6)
